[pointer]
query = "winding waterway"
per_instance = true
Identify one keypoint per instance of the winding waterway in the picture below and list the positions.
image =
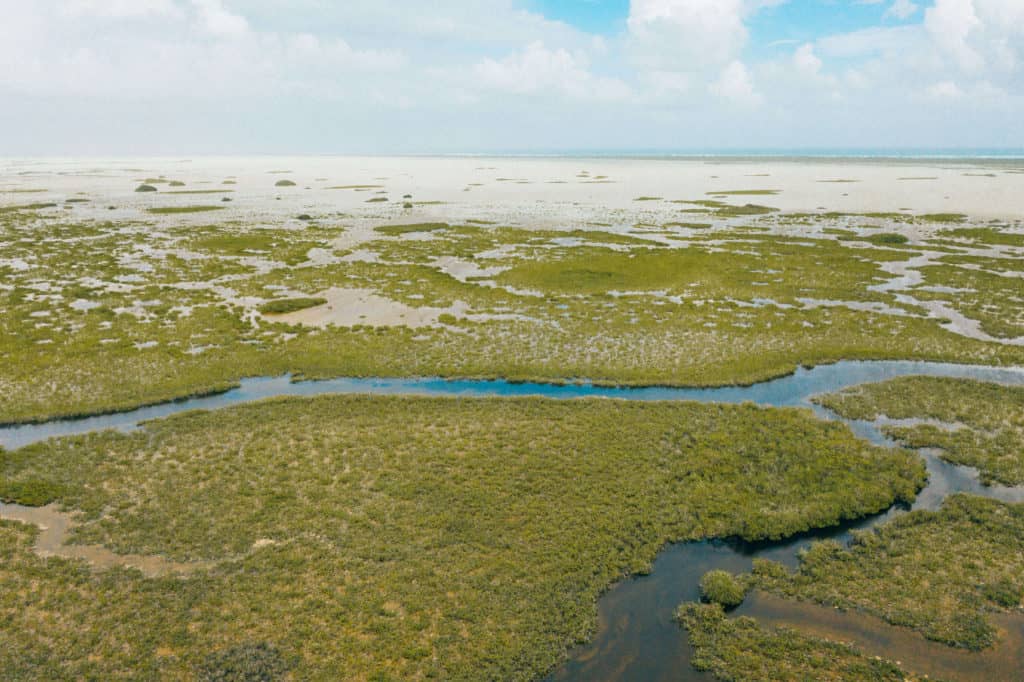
(638, 638)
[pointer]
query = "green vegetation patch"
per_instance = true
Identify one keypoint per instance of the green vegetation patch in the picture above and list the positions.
(179, 210)
(984, 421)
(987, 235)
(939, 573)
(746, 192)
(944, 217)
(741, 650)
(992, 294)
(27, 207)
(386, 537)
(395, 230)
(722, 588)
(290, 305)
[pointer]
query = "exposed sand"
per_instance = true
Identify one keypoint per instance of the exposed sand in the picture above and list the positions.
(349, 307)
(544, 190)
(54, 526)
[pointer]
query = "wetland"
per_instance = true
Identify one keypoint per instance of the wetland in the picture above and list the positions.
(505, 431)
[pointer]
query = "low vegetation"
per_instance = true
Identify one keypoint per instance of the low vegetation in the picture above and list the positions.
(290, 305)
(104, 315)
(741, 650)
(400, 538)
(939, 573)
(979, 424)
(722, 588)
(179, 210)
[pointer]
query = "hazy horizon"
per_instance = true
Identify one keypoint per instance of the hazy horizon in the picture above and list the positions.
(234, 77)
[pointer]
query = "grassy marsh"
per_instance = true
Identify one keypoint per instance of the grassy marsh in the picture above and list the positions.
(141, 314)
(940, 573)
(471, 542)
(979, 424)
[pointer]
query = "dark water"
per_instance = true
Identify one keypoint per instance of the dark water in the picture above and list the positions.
(638, 637)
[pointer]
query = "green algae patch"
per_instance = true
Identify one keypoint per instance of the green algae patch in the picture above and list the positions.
(181, 210)
(370, 537)
(979, 424)
(290, 305)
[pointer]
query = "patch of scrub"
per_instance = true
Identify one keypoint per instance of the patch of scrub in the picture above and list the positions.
(180, 210)
(743, 649)
(941, 573)
(54, 526)
(746, 192)
(989, 420)
(290, 305)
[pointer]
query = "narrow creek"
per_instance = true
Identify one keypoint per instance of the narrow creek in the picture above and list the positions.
(638, 638)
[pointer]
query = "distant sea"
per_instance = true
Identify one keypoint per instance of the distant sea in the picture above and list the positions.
(754, 153)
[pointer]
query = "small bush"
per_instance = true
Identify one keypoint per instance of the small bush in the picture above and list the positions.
(720, 587)
(257, 662)
(284, 183)
(34, 492)
(145, 188)
(290, 305)
(889, 238)
(1004, 593)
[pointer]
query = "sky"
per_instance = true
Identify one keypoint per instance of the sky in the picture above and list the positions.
(188, 77)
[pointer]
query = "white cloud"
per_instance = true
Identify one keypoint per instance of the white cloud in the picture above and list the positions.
(950, 23)
(215, 19)
(736, 84)
(537, 69)
(901, 9)
(806, 61)
(450, 65)
(945, 89)
(119, 9)
(687, 33)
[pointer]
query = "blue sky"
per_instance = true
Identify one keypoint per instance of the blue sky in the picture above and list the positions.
(392, 76)
(796, 21)
(607, 17)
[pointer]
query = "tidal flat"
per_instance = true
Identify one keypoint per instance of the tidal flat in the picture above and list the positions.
(375, 537)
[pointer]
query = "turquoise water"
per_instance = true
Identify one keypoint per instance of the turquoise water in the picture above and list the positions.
(792, 390)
